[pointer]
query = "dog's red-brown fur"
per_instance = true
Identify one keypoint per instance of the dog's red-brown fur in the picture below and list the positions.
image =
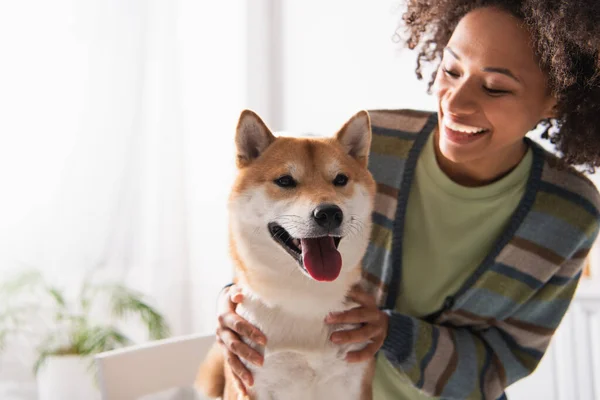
(309, 155)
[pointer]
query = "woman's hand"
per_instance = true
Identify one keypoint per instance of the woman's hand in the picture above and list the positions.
(231, 328)
(374, 325)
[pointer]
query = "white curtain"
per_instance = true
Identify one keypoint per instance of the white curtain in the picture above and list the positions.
(116, 147)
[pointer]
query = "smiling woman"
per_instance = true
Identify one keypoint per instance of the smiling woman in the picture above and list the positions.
(547, 58)
(491, 92)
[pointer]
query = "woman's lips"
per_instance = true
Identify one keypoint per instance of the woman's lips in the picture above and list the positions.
(462, 137)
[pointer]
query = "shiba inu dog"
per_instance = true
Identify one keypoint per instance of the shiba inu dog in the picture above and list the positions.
(300, 221)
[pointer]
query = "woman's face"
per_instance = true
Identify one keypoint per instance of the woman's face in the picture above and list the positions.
(491, 92)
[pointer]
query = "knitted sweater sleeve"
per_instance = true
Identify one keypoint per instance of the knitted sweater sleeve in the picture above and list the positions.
(480, 360)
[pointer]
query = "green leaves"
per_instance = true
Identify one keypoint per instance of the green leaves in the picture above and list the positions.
(84, 340)
(127, 302)
(73, 329)
(27, 280)
(57, 295)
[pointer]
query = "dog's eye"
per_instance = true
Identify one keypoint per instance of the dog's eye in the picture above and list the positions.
(340, 180)
(285, 181)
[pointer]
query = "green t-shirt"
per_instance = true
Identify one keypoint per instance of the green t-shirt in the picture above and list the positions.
(449, 229)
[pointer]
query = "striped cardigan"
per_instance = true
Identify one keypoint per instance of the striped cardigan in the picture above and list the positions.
(496, 328)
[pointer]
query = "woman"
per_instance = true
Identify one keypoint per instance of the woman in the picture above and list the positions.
(475, 266)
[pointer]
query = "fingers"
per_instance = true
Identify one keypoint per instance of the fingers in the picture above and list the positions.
(229, 332)
(359, 335)
(374, 330)
(229, 298)
(239, 385)
(359, 295)
(242, 394)
(241, 374)
(233, 344)
(239, 325)
(235, 294)
(228, 319)
(363, 355)
(355, 315)
(224, 303)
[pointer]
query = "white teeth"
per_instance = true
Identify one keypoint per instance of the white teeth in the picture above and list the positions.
(463, 128)
(297, 243)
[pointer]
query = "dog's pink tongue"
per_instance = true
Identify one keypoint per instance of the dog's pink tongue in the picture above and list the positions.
(321, 259)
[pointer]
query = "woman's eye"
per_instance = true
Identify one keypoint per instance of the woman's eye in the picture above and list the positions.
(495, 92)
(285, 181)
(340, 180)
(450, 73)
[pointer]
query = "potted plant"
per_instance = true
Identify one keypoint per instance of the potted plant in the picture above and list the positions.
(67, 329)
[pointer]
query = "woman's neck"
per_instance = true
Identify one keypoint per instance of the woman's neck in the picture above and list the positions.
(484, 170)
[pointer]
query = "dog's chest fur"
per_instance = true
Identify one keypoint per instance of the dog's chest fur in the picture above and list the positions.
(300, 360)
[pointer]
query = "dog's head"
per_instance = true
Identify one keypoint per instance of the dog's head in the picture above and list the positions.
(301, 207)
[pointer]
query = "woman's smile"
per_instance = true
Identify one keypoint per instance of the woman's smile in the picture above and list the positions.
(462, 134)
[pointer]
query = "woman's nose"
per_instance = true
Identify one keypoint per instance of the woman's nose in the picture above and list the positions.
(460, 100)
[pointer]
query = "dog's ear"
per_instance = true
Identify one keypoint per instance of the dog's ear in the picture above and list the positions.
(355, 137)
(252, 138)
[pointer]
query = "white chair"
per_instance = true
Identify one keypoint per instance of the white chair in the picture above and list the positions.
(141, 370)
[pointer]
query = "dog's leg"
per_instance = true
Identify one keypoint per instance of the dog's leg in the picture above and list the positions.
(211, 375)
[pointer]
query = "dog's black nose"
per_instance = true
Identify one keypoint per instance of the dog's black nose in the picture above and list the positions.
(328, 216)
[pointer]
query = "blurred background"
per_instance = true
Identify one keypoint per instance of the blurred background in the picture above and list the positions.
(116, 153)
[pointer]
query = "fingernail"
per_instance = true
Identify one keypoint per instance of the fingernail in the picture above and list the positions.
(335, 339)
(236, 298)
(260, 340)
(330, 317)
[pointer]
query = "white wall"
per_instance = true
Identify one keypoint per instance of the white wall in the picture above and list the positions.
(117, 120)
(339, 57)
(212, 36)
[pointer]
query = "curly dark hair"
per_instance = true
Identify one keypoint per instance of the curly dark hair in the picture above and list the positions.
(566, 39)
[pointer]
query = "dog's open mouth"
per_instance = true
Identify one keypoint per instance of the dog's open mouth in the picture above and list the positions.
(318, 256)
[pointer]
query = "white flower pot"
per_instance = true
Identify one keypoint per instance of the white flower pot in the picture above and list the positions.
(66, 378)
